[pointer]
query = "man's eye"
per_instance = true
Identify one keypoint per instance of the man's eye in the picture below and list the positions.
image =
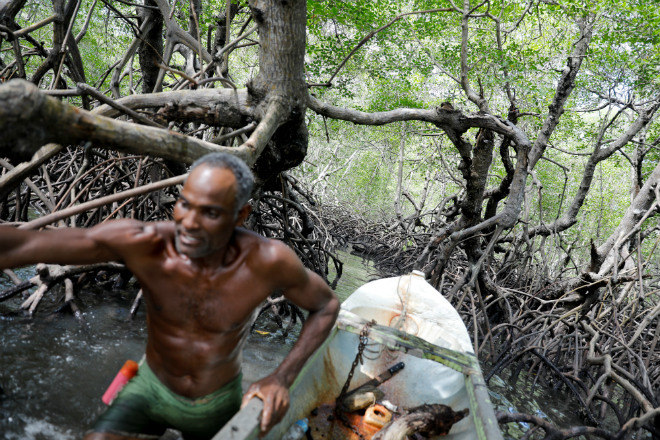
(183, 203)
(212, 213)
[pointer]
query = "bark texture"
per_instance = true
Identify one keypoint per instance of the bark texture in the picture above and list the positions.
(150, 49)
(32, 119)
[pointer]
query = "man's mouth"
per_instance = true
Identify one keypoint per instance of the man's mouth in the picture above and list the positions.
(188, 239)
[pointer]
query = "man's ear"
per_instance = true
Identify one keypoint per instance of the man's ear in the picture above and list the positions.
(243, 214)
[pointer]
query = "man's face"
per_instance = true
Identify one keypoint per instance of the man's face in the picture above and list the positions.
(205, 214)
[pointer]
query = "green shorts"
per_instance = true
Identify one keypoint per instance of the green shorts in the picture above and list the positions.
(145, 408)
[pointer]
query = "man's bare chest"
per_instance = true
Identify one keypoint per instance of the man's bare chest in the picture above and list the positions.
(214, 303)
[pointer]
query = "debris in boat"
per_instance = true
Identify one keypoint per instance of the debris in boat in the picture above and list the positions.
(367, 393)
(428, 420)
(364, 396)
(361, 398)
(382, 377)
(348, 426)
(377, 416)
(389, 405)
(297, 430)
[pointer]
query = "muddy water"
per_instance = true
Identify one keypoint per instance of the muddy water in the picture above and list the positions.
(54, 370)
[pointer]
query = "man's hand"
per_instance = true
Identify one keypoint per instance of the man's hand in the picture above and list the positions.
(275, 395)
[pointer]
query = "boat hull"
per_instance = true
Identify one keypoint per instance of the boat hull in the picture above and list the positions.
(409, 322)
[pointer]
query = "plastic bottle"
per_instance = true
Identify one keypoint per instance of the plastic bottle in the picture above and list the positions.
(297, 430)
(129, 370)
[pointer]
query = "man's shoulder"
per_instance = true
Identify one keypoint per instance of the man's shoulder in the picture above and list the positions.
(267, 251)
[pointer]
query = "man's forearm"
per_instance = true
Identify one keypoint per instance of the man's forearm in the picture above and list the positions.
(20, 247)
(313, 333)
(11, 241)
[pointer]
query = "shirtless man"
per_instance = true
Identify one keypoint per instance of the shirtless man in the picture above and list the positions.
(203, 277)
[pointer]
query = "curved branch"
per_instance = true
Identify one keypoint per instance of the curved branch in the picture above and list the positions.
(85, 25)
(445, 119)
(30, 119)
(276, 113)
(217, 107)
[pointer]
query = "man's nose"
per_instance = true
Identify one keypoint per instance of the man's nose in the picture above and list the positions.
(190, 219)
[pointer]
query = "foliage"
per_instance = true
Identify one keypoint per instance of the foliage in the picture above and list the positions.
(415, 63)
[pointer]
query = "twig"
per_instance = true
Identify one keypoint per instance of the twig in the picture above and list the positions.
(59, 215)
(132, 113)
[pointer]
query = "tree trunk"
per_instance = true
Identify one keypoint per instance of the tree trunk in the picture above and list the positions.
(150, 49)
(9, 9)
(281, 82)
(282, 36)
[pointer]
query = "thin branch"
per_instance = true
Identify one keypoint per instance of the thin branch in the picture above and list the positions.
(88, 19)
(77, 209)
(34, 27)
(371, 34)
(248, 128)
(564, 89)
(104, 99)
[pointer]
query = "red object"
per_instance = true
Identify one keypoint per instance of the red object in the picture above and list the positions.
(129, 370)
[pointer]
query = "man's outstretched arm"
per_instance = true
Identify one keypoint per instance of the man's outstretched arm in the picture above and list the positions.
(307, 290)
(105, 242)
(61, 246)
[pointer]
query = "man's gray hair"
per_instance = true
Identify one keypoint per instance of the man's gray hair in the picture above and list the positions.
(244, 177)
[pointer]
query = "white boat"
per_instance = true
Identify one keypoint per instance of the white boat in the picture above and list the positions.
(416, 325)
